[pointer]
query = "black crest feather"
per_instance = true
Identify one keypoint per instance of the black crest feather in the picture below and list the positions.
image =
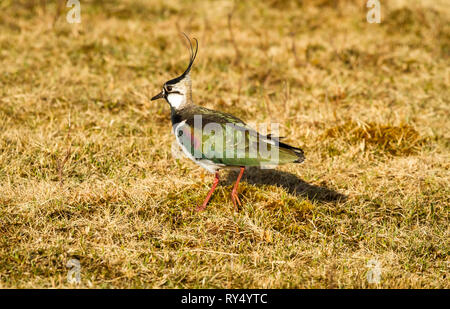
(193, 54)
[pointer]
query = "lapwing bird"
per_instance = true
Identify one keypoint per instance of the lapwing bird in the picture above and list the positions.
(216, 140)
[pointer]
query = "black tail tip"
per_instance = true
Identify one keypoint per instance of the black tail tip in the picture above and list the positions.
(299, 160)
(301, 156)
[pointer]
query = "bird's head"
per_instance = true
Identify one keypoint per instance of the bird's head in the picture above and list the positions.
(177, 91)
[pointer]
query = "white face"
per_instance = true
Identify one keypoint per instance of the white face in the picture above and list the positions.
(176, 100)
(176, 94)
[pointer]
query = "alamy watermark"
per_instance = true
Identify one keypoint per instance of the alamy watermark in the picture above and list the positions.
(74, 14)
(374, 14)
(74, 273)
(374, 272)
(229, 143)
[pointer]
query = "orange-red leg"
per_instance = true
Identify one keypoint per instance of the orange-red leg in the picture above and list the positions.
(234, 196)
(203, 206)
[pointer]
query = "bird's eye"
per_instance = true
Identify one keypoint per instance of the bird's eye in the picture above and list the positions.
(169, 88)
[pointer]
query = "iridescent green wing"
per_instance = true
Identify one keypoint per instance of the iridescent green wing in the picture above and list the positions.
(232, 145)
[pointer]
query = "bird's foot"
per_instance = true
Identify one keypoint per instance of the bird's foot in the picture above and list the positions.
(236, 201)
(200, 208)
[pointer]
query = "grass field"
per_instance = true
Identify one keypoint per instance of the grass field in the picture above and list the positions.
(87, 171)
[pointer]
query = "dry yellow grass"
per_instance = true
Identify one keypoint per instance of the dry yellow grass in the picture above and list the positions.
(369, 103)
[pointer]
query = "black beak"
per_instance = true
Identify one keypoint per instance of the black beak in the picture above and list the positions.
(158, 96)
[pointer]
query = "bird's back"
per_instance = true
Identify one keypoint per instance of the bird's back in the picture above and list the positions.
(225, 140)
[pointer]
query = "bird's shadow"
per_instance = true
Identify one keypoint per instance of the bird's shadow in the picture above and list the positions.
(290, 182)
